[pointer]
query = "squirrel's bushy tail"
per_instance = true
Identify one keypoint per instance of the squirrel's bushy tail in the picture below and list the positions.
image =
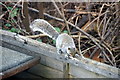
(44, 27)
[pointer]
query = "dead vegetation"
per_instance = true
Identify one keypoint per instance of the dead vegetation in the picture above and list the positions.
(95, 26)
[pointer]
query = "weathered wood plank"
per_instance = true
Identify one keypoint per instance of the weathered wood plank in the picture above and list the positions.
(82, 73)
(51, 62)
(45, 60)
(14, 62)
(45, 71)
(19, 68)
(11, 58)
(36, 48)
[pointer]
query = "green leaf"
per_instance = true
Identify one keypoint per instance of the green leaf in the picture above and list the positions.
(9, 8)
(8, 24)
(54, 41)
(57, 29)
(18, 31)
(13, 21)
(65, 31)
(13, 30)
(14, 12)
(40, 40)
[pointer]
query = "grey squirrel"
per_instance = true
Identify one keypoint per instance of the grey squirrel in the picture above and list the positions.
(64, 43)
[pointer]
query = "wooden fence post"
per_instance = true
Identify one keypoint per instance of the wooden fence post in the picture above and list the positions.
(40, 8)
(66, 70)
(1, 14)
(26, 18)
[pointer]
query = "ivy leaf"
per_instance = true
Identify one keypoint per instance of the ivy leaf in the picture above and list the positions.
(65, 31)
(57, 29)
(13, 21)
(40, 40)
(54, 41)
(13, 30)
(14, 12)
(8, 25)
(9, 8)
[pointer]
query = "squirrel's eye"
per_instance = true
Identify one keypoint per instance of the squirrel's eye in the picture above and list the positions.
(68, 48)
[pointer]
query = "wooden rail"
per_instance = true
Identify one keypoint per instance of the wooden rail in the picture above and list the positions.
(25, 16)
(51, 65)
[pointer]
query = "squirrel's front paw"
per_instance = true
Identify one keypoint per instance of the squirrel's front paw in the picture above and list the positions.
(68, 57)
(60, 51)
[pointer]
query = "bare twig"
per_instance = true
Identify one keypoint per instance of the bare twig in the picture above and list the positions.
(95, 20)
(36, 36)
(92, 54)
(104, 26)
(5, 12)
(76, 36)
(76, 21)
(62, 15)
(93, 39)
(22, 12)
(117, 55)
(81, 12)
(79, 45)
(98, 27)
(88, 10)
(84, 51)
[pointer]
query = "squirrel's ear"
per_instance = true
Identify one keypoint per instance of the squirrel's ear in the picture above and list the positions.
(74, 48)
